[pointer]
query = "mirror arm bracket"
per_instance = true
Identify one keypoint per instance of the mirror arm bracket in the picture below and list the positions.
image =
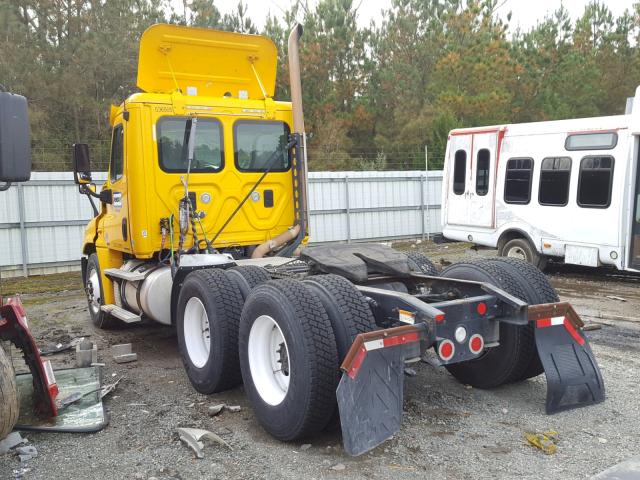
(87, 191)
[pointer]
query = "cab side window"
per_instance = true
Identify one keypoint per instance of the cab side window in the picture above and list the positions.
(116, 165)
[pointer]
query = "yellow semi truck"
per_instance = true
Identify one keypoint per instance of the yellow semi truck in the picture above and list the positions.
(202, 225)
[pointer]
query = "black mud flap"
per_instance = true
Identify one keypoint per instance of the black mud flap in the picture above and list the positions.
(573, 376)
(370, 393)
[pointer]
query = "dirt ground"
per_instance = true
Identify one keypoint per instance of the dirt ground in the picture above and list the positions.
(449, 431)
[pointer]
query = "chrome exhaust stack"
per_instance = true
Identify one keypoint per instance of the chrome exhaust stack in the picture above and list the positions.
(299, 166)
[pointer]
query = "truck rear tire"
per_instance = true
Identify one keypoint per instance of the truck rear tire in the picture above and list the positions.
(539, 291)
(95, 295)
(289, 359)
(9, 402)
(507, 362)
(247, 277)
(207, 318)
(348, 311)
(522, 249)
(420, 263)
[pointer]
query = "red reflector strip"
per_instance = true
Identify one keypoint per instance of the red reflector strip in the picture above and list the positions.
(569, 327)
(573, 332)
(357, 363)
(378, 344)
(550, 322)
(440, 318)
(401, 339)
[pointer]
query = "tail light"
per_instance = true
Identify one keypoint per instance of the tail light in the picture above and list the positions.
(476, 344)
(446, 350)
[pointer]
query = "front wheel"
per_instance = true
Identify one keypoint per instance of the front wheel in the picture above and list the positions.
(95, 295)
(9, 402)
(289, 359)
(208, 313)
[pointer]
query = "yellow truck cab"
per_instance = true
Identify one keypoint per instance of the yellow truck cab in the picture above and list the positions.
(200, 225)
(206, 128)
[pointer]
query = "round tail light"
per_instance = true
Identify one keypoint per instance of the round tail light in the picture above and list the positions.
(476, 344)
(446, 350)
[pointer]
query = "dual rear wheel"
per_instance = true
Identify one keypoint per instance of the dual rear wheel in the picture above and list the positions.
(290, 338)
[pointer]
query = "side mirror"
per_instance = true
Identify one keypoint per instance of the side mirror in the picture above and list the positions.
(81, 164)
(15, 145)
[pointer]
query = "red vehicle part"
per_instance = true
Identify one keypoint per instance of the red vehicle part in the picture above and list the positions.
(14, 328)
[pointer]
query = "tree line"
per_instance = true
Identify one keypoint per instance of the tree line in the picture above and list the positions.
(374, 96)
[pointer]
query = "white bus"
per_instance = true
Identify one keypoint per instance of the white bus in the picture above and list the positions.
(567, 189)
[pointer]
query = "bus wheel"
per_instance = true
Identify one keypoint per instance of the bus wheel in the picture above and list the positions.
(523, 250)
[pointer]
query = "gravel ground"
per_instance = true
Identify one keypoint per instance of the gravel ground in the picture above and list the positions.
(449, 431)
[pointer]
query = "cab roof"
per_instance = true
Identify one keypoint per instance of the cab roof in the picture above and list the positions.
(205, 62)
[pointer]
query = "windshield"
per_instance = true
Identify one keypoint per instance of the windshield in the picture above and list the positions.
(255, 143)
(173, 138)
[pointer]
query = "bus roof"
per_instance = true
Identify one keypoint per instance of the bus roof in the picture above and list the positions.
(615, 122)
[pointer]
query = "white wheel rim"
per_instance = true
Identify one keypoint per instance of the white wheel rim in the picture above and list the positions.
(517, 252)
(93, 291)
(269, 360)
(197, 335)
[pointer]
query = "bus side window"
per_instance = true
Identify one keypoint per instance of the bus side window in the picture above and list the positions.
(517, 181)
(482, 172)
(555, 174)
(459, 172)
(595, 181)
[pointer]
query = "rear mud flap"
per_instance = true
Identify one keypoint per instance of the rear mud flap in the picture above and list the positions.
(370, 393)
(573, 376)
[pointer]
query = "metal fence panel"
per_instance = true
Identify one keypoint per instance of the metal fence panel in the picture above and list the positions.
(42, 221)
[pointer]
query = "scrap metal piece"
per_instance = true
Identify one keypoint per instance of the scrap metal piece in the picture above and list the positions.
(545, 441)
(61, 347)
(123, 353)
(110, 387)
(192, 437)
(86, 353)
(27, 453)
(573, 376)
(627, 470)
(12, 440)
(215, 409)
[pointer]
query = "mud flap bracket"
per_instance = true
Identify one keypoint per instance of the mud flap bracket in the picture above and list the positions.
(573, 376)
(370, 393)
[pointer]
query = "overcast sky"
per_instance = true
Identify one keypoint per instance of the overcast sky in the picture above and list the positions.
(526, 13)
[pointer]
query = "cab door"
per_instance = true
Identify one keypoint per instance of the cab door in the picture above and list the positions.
(459, 168)
(481, 182)
(116, 221)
